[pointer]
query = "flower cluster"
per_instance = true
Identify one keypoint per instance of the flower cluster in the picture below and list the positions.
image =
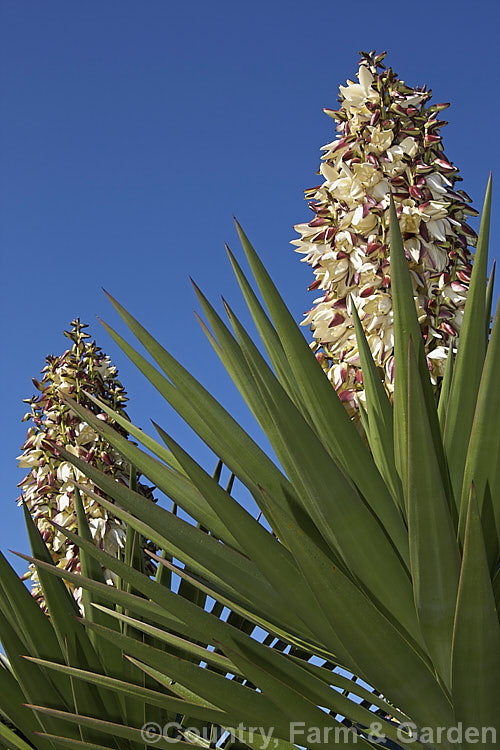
(388, 142)
(49, 488)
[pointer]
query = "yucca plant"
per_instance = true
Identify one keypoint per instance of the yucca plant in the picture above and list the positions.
(361, 607)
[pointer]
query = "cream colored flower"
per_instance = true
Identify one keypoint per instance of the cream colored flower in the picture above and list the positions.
(379, 140)
(356, 95)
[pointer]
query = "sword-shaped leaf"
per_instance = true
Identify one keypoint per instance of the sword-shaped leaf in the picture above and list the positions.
(184, 647)
(406, 326)
(12, 740)
(156, 448)
(150, 697)
(161, 613)
(74, 641)
(200, 410)
(32, 626)
(308, 638)
(475, 671)
(32, 680)
(380, 653)
(483, 455)
(469, 360)
(271, 557)
(489, 299)
(253, 589)
(266, 666)
(13, 705)
(330, 498)
(327, 413)
(99, 726)
(228, 695)
(434, 552)
(379, 415)
(172, 483)
(444, 393)
(268, 334)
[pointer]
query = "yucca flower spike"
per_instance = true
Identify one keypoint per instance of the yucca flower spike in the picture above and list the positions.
(388, 142)
(48, 490)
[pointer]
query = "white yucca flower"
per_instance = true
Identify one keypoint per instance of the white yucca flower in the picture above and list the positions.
(388, 141)
(49, 487)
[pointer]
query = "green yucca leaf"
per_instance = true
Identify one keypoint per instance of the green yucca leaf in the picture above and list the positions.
(434, 553)
(88, 565)
(109, 655)
(269, 336)
(351, 686)
(481, 468)
(327, 412)
(60, 603)
(363, 416)
(99, 726)
(495, 584)
(171, 482)
(371, 639)
(406, 326)
(272, 558)
(245, 620)
(269, 663)
(13, 700)
(201, 622)
(228, 695)
(347, 525)
(74, 642)
(176, 689)
(152, 445)
(469, 360)
(184, 647)
(90, 568)
(475, 670)
(28, 620)
(252, 588)
(489, 299)
(289, 701)
(149, 697)
(32, 680)
(229, 353)
(444, 393)
(143, 581)
(231, 357)
(163, 529)
(139, 604)
(69, 576)
(380, 429)
(208, 418)
(12, 740)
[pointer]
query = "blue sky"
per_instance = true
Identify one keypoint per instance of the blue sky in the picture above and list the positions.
(132, 131)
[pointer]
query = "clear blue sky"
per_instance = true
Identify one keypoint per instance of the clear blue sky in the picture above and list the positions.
(131, 131)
